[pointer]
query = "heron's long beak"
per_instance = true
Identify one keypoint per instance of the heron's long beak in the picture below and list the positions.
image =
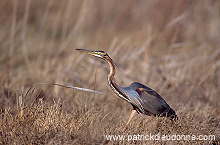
(86, 51)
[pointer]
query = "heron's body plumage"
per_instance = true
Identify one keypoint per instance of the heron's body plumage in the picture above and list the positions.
(149, 101)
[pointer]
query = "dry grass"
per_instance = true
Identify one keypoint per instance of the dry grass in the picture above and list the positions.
(171, 46)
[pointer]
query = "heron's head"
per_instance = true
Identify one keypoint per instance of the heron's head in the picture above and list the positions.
(100, 54)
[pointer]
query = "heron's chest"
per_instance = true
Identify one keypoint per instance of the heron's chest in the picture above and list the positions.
(117, 92)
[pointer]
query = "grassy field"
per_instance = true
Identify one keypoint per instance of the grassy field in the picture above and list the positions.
(171, 46)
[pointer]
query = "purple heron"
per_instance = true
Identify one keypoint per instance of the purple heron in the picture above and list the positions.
(143, 99)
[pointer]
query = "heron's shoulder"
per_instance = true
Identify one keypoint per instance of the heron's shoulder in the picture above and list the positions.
(140, 88)
(136, 85)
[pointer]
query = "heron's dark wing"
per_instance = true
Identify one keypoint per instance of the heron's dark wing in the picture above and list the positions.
(154, 104)
(151, 101)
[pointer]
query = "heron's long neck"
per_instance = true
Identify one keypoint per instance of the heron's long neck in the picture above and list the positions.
(112, 83)
(111, 74)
